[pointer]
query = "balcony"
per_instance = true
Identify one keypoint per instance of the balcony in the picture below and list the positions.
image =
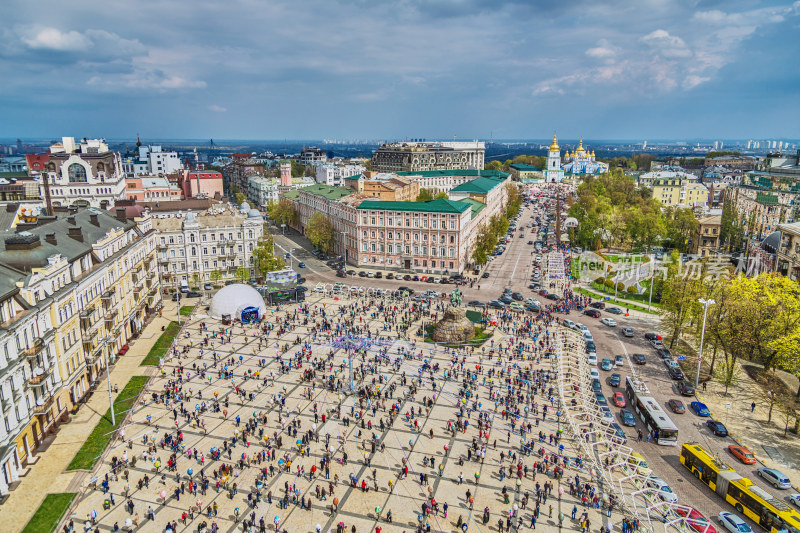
(162, 246)
(148, 261)
(87, 313)
(106, 296)
(39, 379)
(110, 316)
(33, 351)
(46, 398)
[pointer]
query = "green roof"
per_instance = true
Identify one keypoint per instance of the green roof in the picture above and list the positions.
(524, 167)
(327, 191)
(433, 206)
(294, 195)
(477, 173)
(355, 177)
(766, 199)
(14, 175)
(479, 185)
(477, 207)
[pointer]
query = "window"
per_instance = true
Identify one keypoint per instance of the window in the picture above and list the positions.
(77, 174)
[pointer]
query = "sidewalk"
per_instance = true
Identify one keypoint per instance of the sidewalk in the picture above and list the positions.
(641, 315)
(47, 475)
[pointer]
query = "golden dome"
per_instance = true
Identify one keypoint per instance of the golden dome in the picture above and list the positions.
(580, 147)
(554, 146)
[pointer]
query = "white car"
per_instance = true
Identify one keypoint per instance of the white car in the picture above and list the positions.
(608, 418)
(610, 322)
(592, 359)
(661, 488)
(569, 323)
(734, 523)
(594, 374)
(795, 499)
(581, 327)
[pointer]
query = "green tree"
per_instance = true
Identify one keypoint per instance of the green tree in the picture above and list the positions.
(242, 274)
(321, 233)
(513, 201)
(264, 260)
(195, 277)
(425, 195)
(298, 169)
(283, 212)
(240, 198)
(216, 275)
(493, 165)
(679, 299)
(681, 226)
(441, 196)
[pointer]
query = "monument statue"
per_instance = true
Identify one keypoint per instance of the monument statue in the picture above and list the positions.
(455, 298)
(454, 327)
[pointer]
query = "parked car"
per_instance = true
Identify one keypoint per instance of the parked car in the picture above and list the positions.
(496, 304)
(627, 332)
(390, 275)
(734, 523)
(362, 274)
(476, 303)
(718, 428)
(675, 373)
(194, 294)
(517, 296)
(695, 519)
(619, 399)
(619, 360)
(776, 478)
(627, 418)
(743, 454)
(700, 409)
(505, 299)
(663, 352)
(597, 305)
(614, 310)
(653, 336)
(795, 499)
(676, 406)
(662, 489)
(639, 358)
(610, 322)
(685, 388)
(485, 275)
(207, 286)
(341, 274)
(605, 364)
(614, 380)
(594, 313)
(176, 297)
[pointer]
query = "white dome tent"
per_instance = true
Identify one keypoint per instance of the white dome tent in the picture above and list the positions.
(239, 302)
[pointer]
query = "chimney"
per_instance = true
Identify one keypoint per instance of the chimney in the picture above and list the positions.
(51, 238)
(93, 219)
(71, 220)
(121, 214)
(75, 233)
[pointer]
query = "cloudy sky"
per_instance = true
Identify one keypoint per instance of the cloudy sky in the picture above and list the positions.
(308, 69)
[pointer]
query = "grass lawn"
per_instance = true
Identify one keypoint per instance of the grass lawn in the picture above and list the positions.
(641, 298)
(186, 310)
(98, 439)
(162, 344)
(615, 258)
(49, 513)
(599, 296)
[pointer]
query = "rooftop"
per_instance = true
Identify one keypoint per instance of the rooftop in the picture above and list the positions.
(478, 185)
(476, 206)
(433, 206)
(445, 173)
(766, 199)
(524, 167)
(327, 191)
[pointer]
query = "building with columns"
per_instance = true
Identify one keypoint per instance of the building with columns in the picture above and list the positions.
(420, 156)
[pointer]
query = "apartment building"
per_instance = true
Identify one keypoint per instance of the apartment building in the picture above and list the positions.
(74, 288)
(333, 174)
(706, 242)
(207, 246)
(426, 156)
(384, 186)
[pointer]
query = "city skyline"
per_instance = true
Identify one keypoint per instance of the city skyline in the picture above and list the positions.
(659, 69)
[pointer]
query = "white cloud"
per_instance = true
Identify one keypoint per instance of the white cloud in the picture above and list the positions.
(42, 38)
(604, 50)
(217, 108)
(666, 44)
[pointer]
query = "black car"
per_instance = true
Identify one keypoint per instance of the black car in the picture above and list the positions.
(456, 277)
(301, 288)
(594, 313)
(675, 372)
(663, 352)
(597, 305)
(485, 275)
(685, 388)
(390, 275)
(517, 296)
(652, 336)
(430, 280)
(407, 277)
(341, 274)
(718, 428)
(590, 347)
(176, 297)
(379, 274)
(301, 280)
(639, 358)
(194, 294)
(497, 304)
(362, 274)
(403, 289)
(551, 296)
(614, 310)
(476, 303)
(415, 278)
(505, 299)
(445, 281)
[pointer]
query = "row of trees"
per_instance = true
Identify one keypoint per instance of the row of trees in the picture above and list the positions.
(753, 320)
(283, 212)
(489, 234)
(612, 211)
(634, 162)
(426, 195)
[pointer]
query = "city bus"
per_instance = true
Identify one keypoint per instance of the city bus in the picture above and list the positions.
(771, 513)
(664, 430)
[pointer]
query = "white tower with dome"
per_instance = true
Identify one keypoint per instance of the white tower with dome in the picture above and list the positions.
(554, 173)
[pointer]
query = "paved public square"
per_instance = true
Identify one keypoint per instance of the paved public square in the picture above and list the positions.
(264, 412)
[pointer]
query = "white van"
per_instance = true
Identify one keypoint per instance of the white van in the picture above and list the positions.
(569, 323)
(184, 286)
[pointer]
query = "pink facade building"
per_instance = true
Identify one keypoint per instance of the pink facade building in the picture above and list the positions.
(201, 183)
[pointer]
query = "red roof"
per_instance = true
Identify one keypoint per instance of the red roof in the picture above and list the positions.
(37, 161)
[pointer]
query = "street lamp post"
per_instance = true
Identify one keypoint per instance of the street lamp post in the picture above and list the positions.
(706, 304)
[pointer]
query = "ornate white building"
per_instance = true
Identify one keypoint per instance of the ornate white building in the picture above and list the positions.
(581, 162)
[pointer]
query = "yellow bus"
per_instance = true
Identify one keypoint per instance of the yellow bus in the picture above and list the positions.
(771, 513)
